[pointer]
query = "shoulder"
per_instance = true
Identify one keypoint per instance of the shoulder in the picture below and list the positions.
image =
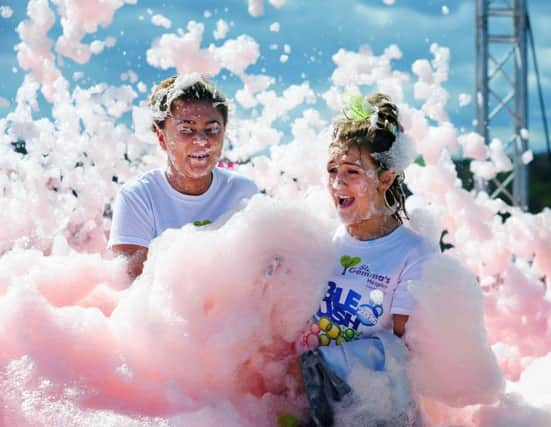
(415, 245)
(236, 181)
(141, 184)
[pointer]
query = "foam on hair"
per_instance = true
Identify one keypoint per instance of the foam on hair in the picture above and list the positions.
(374, 134)
(185, 87)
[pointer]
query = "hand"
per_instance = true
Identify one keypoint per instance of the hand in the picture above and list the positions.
(399, 323)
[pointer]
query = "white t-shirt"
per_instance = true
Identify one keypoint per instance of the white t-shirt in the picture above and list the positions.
(370, 283)
(148, 205)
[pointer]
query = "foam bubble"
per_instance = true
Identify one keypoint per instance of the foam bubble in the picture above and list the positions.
(60, 301)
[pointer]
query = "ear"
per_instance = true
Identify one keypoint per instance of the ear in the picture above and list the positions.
(161, 138)
(386, 178)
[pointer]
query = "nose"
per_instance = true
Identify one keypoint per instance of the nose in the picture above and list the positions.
(200, 138)
(338, 180)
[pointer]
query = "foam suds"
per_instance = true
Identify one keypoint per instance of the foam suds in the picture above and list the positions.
(183, 82)
(205, 336)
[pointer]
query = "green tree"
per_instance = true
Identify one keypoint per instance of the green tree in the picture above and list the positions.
(348, 261)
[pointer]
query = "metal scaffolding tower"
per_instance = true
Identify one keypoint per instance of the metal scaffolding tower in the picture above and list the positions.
(501, 84)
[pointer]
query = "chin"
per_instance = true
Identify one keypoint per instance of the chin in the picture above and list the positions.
(347, 219)
(199, 173)
(353, 218)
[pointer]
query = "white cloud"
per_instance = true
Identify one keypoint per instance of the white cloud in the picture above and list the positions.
(222, 29)
(6, 12)
(161, 21)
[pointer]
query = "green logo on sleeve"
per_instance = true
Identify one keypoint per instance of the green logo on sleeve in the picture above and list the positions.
(202, 223)
(348, 261)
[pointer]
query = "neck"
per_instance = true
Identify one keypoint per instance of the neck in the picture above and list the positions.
(373, 228)
(187, 185)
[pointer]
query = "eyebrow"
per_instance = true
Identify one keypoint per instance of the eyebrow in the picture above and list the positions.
(345, 163)
(192, 122)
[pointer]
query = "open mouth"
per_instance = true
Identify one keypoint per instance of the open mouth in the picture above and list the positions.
(345, 201)
(199, 156)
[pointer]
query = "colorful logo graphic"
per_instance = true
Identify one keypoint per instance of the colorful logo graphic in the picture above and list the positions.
(330, 331)
(323, 332)
(340, 316)
(368, 314)
(344, 309)
(348, 261)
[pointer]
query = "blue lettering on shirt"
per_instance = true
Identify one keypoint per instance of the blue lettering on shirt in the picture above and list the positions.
(339, 309)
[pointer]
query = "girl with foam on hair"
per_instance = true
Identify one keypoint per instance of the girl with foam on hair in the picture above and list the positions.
(189, 120)
(368, 300)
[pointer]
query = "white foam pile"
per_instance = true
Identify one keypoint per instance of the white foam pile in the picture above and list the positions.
(204, 337)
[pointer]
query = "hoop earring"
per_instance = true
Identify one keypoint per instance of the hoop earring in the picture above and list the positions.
(391, 207)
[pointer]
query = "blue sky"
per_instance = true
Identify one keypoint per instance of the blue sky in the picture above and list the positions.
(313, 30)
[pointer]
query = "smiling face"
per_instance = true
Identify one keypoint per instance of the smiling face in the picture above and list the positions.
(354, 185)
(192, 137)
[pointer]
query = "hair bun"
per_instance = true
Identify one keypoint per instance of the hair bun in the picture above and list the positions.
(380, 140)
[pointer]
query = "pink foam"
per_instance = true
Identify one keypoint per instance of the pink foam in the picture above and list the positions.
(205, 337)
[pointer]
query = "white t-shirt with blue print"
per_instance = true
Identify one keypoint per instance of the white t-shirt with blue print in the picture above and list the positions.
(370, 284)
(148, 205)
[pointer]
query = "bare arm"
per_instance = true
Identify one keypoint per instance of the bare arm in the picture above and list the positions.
(399, 321)
(135, 255)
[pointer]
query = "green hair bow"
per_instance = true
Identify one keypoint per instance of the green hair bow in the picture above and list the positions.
(357, 108)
